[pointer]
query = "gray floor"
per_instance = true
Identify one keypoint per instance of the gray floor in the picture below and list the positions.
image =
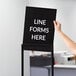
(57, 72)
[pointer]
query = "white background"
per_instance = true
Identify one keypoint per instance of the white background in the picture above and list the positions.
(11, 31)
(12, 13)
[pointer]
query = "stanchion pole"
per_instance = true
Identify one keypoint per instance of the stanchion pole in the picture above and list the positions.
(52, 64)
(22, 61)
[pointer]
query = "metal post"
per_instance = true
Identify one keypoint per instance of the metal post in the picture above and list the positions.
(52, 64)
(51, 70)
(22, 61)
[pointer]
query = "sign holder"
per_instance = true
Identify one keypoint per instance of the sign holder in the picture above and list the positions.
(50, 71)
(38, 33)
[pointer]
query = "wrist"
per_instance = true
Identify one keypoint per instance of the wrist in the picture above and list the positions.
(60, 32)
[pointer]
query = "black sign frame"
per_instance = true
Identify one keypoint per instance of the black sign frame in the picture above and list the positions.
(34, 32)
(46, 46)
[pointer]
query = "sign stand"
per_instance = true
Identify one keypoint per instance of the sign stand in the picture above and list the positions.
(50, 71)
(38, 33)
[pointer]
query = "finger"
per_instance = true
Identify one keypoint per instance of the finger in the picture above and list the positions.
(55, 23)
(58, 23)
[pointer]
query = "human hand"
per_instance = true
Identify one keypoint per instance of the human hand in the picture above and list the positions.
(57, 26)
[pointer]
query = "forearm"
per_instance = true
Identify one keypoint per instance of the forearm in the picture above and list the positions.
(70, 44)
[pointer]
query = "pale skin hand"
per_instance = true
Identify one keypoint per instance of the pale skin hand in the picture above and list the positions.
(57, 26)
(70, 44)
